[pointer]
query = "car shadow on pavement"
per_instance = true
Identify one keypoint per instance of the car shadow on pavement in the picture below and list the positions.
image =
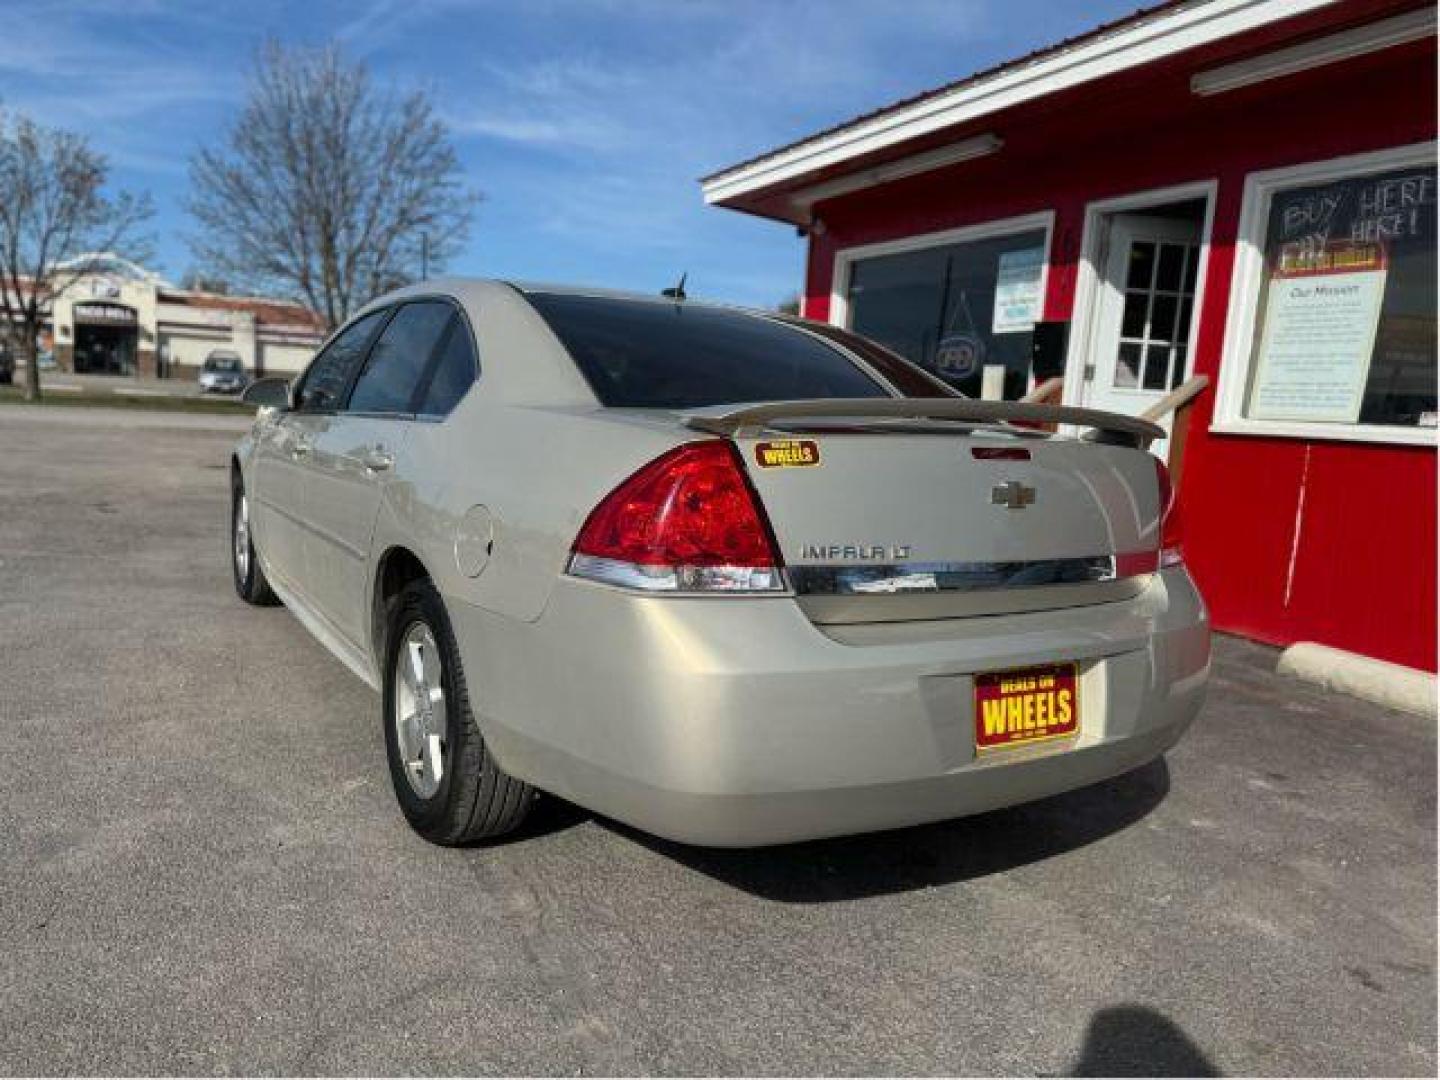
(901, 860)
(1135, 1040)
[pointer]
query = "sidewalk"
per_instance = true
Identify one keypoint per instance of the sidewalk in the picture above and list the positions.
(64, 382)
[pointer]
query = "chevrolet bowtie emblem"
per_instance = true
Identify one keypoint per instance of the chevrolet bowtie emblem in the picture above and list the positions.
(1012, 494)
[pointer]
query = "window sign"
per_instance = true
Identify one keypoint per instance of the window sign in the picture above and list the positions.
(1346, 327)
(955, 308)
(959, 356)
(1321, 314)
(1017, 291)
(103, 313)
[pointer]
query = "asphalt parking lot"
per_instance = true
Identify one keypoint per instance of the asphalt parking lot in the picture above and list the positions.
(205, 871)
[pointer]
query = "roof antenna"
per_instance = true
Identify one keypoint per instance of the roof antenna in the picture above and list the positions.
(676, 292)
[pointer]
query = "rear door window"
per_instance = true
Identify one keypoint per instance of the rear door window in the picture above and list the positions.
(652, 354)
(398, 360)
(455, 371)
(330, 373)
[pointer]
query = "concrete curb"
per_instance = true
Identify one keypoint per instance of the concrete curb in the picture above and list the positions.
(1390, 685)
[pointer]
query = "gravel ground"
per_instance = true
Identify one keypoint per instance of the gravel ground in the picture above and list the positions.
(205, 871)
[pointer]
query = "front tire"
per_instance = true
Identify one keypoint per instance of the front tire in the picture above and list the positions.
(251, 585)
(449, 787)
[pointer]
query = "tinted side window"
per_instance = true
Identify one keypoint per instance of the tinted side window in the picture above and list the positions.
(399, 358)
(330, 372)
(652, 354)
(455, 371)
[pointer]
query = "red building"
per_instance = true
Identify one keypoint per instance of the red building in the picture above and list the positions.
(1241, 189)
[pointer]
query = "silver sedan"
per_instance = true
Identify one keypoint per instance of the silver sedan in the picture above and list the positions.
(731, 577)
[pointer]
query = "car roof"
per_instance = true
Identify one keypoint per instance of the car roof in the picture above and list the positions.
(526, 362)
(554, 289)
(479, 289)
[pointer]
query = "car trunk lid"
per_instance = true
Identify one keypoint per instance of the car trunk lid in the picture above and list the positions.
(891, 517)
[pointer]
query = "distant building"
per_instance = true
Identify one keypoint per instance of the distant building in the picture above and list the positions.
(121, 319)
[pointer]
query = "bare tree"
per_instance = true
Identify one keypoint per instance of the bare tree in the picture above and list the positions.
(327, 189)
(55, 224)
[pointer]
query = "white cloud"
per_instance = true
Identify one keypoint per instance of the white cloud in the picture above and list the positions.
(532, 130)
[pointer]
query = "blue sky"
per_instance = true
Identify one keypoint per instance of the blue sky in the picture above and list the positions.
(585, 123)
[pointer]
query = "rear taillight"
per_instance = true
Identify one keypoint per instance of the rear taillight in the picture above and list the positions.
(687, 522)
(1170, 554)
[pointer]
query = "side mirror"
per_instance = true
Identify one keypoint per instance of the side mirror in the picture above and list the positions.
(269, 393)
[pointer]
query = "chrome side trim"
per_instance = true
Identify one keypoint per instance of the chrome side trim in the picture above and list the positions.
(917, 607)
(941, 577)
(902, 593)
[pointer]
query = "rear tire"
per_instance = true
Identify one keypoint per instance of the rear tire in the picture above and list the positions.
(450, 788)
(251, 585)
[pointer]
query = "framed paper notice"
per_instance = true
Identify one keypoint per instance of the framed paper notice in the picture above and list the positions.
(1321, 313)
(1017, 291)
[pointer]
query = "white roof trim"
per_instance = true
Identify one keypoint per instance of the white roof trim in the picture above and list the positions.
(1161, 35)
(1397, 30)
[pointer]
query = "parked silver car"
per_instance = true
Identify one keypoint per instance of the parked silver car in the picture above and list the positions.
(223, 372)
(734, 578)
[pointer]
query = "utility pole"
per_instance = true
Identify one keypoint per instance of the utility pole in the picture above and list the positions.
(424, 256)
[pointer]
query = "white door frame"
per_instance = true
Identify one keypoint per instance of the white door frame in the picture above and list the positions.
(1085, 314)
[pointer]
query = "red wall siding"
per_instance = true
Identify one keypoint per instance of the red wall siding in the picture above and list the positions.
(1361, 575)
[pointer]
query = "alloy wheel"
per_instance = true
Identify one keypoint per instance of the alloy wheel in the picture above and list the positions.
(242, 537)
(420, 715)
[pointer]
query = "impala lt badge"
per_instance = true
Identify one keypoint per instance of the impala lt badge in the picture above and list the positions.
(1012, 494)
(856, 552)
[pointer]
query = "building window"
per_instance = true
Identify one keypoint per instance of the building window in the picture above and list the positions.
(954, 303)
(1333, 315)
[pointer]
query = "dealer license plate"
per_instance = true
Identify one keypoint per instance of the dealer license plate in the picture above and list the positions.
(1017, 708)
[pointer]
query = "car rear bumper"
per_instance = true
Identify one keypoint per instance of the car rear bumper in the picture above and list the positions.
(738, 722)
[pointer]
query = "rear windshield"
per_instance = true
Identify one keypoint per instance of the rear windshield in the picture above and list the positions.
(900, 373)
(648, 354)
(223, 363)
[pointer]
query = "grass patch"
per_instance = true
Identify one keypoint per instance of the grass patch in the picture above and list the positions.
(15, 395)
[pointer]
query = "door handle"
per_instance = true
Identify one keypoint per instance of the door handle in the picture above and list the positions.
(377, 459)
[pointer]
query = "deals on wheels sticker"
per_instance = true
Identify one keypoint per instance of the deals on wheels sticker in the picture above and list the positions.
(787, 454)
(1015, 708)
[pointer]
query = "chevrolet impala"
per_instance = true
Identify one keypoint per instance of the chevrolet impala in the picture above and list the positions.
(732, 577)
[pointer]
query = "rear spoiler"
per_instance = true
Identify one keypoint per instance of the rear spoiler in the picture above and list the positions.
(1107, 427)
